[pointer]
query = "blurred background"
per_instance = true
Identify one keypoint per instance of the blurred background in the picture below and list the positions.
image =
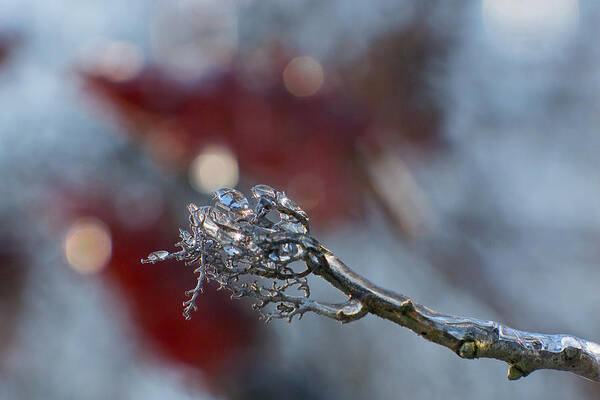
(447, 150)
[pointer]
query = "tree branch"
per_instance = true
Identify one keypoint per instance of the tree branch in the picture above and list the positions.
(231, 242)
(525, 352)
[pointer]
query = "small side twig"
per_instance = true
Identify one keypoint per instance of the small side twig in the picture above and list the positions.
(230, 242)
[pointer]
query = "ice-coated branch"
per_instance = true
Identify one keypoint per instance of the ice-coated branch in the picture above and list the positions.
(252, 254)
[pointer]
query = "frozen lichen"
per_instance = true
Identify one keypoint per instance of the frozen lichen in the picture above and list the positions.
(242, 248)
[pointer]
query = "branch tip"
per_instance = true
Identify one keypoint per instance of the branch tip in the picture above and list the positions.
(246, 251)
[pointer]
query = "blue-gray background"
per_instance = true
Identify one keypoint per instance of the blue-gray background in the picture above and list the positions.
(513, 191)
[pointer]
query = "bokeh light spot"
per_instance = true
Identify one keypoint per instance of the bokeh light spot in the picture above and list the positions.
(303, 76)
(215, 167)
(88, 246)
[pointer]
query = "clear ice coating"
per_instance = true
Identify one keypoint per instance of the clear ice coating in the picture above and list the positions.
(230, 239)
(228, 243)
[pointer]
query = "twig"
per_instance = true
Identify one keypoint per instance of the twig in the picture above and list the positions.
(231, 242)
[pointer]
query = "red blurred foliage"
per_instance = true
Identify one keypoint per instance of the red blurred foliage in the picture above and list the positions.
(13, 273)
(219, 332)
(13, 260)
(306, 146)
(393, 80)
(316, 147)
(7, 43)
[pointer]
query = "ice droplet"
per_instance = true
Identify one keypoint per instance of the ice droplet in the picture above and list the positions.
(289, 251)
(231, 200)
(156, 256)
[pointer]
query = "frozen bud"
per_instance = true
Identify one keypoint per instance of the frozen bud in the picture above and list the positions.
(209, 226)
(196, 217)
(267, 199)
(221, 217)
(287, 204)
(291, 226)
(293, 218)
(264, 191)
